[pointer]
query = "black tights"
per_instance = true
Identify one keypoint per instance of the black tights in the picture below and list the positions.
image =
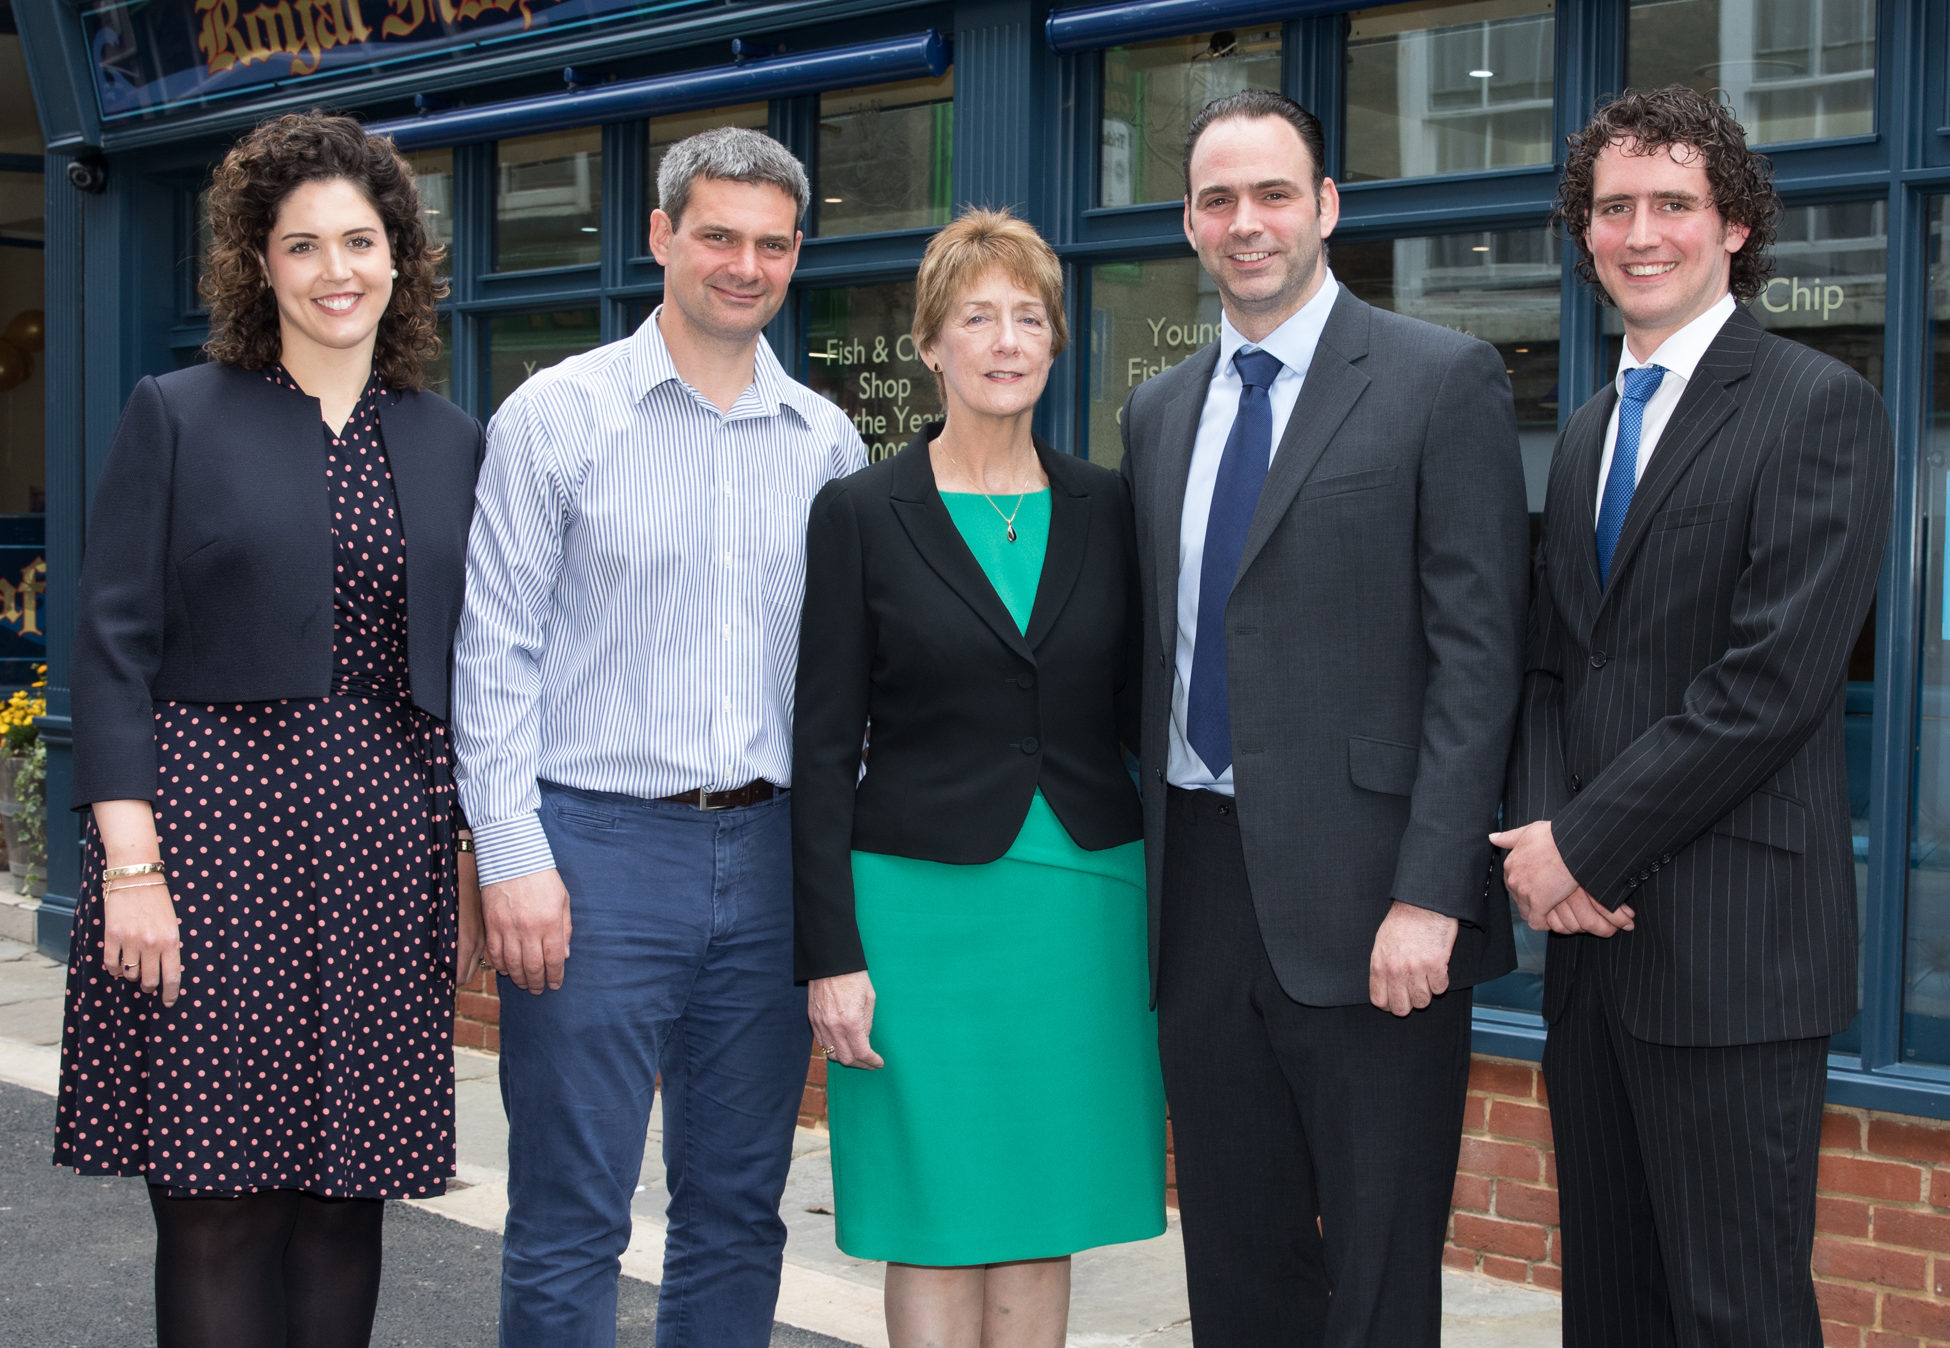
(278, 1269)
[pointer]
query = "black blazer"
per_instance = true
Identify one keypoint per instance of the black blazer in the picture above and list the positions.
(208, 571)
(902, 631)
(1682, 725)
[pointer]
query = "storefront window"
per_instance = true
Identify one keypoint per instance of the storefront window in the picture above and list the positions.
(1145, 317)
(859, 355)
(1926, 954)
(548, 200)
(1449, 88)
(433, 174)
(1152, 90)
(1792, 69)
(667, 131)
(520, 344)
(884, 157)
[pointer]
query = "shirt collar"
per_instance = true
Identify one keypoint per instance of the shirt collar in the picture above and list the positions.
(770, 388)
(1682, 352)
(1293, 341)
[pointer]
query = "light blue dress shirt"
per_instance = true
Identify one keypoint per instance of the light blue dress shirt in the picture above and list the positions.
(634, 577)
(1293, 342)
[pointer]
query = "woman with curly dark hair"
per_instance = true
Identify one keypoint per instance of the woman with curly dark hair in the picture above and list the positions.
(277, 891)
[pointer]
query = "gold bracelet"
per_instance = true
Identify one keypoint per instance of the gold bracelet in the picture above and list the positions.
(146, 884)
(463, 844)
(142, 868)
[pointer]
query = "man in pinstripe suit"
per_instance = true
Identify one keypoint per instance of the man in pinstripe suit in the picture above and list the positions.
(1712, 535)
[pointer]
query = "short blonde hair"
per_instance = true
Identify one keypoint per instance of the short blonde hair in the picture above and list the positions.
(978, 242)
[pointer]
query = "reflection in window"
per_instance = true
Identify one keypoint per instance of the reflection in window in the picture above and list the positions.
(884, 157)
(858, 354)
(1152, 90)
(1792, 69)
(1145, 317)
(520, 344)
(667, 131)
(440, 370)
(548, 200)
(1926, 954)
(433, 174)
(1449, 88)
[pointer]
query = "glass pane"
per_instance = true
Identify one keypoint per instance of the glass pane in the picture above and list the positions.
(433, 174)
(1151, 93)
(1145, 317)
(859, 355)
(884, 154)
(1926, 974)
(520, 344)
(667, 131)
(1449, 88)
(548, 200)
(440, 370)
(1792, 69)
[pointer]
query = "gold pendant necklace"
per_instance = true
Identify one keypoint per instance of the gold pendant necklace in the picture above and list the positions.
(1008, 520)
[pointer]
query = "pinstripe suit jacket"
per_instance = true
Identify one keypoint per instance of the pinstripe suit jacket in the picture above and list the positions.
(1682, 725)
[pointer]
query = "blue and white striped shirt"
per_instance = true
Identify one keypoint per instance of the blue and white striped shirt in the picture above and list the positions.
(634, 577)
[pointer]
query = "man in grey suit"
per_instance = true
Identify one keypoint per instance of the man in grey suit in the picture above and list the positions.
(1331, 532)
(1712, 534)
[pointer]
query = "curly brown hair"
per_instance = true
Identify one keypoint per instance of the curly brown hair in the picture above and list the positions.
(246, 192)
(1655, 121)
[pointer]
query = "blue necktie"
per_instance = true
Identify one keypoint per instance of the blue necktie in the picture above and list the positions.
(1235, 494)
(1640, 385)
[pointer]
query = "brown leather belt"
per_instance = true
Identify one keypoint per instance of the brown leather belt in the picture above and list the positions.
(751, 793)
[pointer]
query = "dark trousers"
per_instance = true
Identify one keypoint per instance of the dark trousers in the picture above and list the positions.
(1315, 1145)
(1686, 1184)
(681, 965)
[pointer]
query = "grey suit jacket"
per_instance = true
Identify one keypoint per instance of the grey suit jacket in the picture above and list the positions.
(1682, 725)
(1373, 642)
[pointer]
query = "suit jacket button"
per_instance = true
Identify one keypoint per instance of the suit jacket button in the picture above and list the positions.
(1597, 659)
(1025, 681)
(1161, 660)
(1159, 773)
(1577, 782)
(1030, 744)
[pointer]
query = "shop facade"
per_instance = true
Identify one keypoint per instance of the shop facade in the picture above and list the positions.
(536, 127)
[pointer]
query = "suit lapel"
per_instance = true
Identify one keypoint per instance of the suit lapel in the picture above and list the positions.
(917, 504)
(1170, 466)
(1069, 538)
(1574, 490)
(1702, 410)
(1333, 385)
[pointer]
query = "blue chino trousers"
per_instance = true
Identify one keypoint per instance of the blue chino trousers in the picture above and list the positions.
(680, 965)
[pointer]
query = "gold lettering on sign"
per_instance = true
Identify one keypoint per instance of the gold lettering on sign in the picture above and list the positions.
(304, 30)
(20, 605)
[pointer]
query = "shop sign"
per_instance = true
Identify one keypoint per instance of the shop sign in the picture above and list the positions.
(152, 55)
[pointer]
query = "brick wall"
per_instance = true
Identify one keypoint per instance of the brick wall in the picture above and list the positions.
(1882, 1241)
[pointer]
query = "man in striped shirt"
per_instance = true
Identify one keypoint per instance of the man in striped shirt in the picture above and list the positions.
(623, 717)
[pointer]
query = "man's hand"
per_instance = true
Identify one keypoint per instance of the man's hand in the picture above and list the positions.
(1410, 964)
(527, 921)
(1583, 914)
(1534, 872)
(841, 1011)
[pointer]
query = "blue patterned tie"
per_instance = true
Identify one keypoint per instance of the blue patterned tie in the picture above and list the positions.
(1640, 385)
(1235, 494)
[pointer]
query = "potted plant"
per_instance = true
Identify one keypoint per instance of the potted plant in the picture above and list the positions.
(30, 785)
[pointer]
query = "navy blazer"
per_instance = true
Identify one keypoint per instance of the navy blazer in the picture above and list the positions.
(208, 570)
(970, 714)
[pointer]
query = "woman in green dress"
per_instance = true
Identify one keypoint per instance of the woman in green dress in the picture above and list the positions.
(971, 911)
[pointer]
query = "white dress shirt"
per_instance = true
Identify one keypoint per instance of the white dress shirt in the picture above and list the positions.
(634, 577)
(1680, 354)
(1293, 342)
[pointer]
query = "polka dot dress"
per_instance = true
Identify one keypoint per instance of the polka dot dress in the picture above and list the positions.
(310, 859)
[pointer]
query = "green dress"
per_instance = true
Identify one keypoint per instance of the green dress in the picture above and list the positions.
(1020, 1114)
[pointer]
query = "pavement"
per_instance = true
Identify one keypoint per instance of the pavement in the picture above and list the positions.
(76, 1250)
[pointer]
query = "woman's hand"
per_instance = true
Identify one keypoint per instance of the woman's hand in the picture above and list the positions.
(139, 936)
(841, 1011)
(471, 945)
